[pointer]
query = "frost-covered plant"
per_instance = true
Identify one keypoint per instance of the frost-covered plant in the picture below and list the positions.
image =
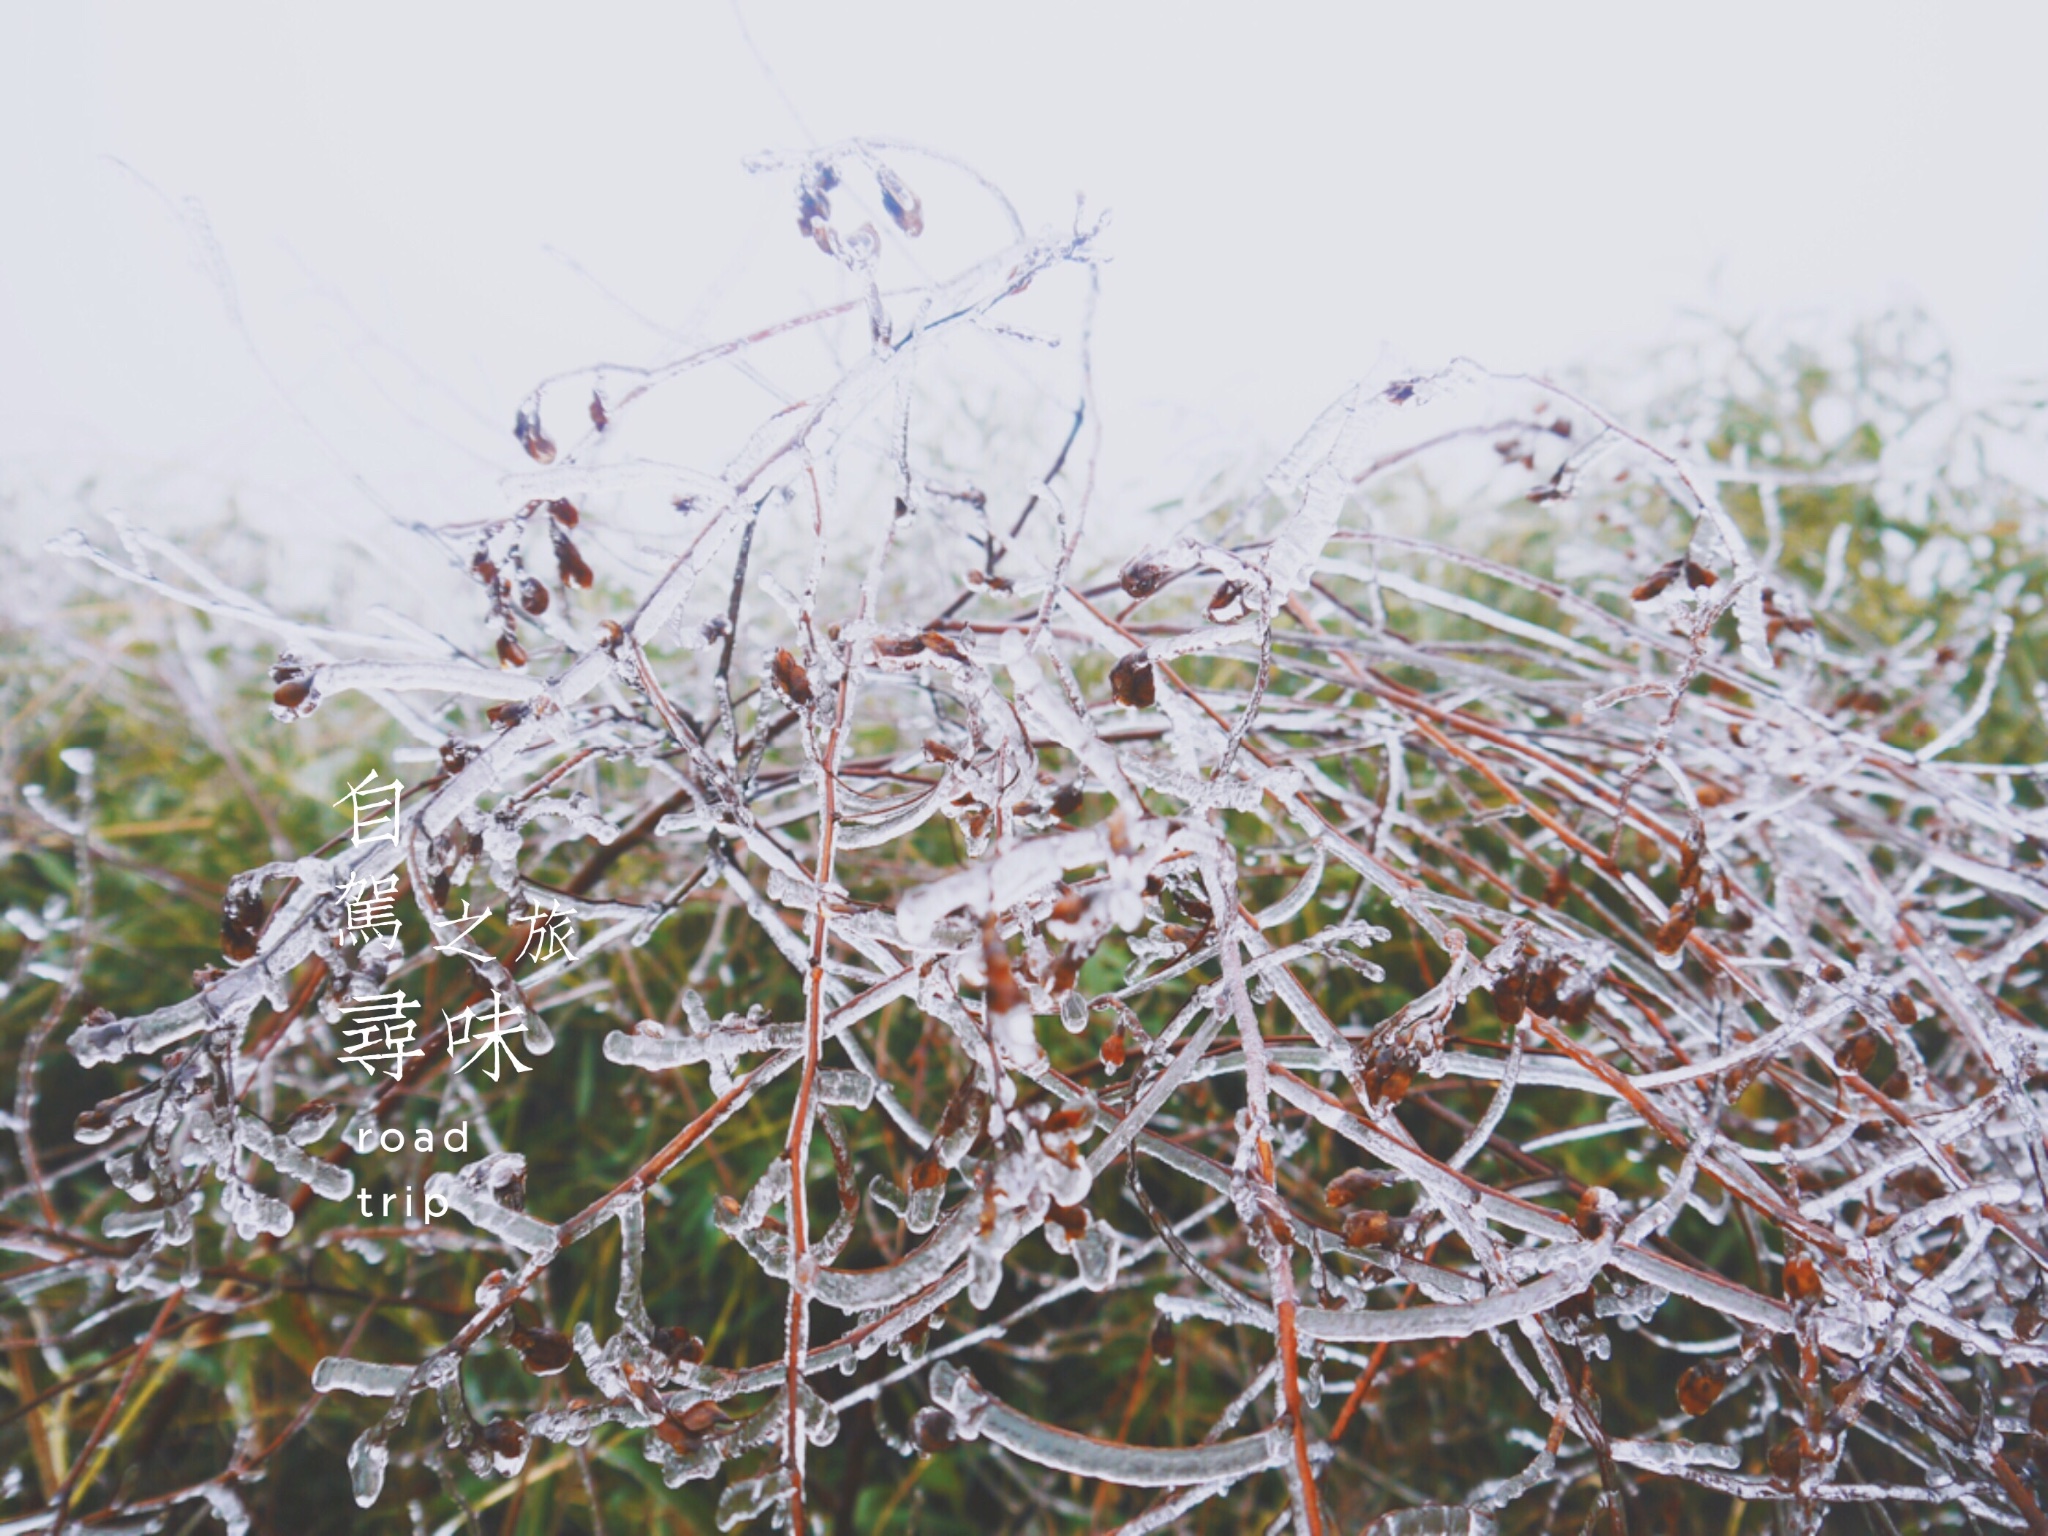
(1484, 893)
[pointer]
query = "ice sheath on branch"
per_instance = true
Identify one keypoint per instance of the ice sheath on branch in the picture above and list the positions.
(1585, 838)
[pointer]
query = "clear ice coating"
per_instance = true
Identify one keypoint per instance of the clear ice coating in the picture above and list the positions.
(1666, 821)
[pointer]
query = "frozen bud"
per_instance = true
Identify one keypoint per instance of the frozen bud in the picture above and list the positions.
(309, 1122)
(1131, 681)
(1700, 1387)
(1652, 586)
(241, 919)
(792, 679)
(1510, 993)
(933, 1430)
(505, 1439)
(533, 596)
(899, 202)
(575, 572)
(510, 652)
(677, 1345)
(1857, 1052)
(1594, 1212)
(92, 1127)
(536, 443)
(1146, 575)
(546, 1351)
(1163, 1340)
(1371, 1229)
(1802, 1281)
(1351, 1187)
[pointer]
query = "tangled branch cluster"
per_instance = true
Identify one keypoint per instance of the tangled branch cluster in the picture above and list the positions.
(1207, 882)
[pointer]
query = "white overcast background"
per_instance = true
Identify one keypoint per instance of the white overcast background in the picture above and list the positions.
(417, 211)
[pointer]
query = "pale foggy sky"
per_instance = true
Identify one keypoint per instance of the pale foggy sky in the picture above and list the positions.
(419, 210)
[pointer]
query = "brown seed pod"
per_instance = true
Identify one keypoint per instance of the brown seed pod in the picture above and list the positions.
(700, 1418)
(1575, 1001)
(1785, 1457)
(899, 202)
(1589, 1218)
(564, 512)
(504, 1437)
(1131, 681)
(1544, 981)
(677, 1345)
(941, 645)
(569, 561)
(1802, 1280)
(510, 652)
(1070, 1219)
(1114, 1051)
(1699, 1388)
(1163, 1340)
(792, 679)
(545, 1351)
(1510, 993)
(292, 693)
(1144, 576)
(1697, 575)
(1672, 933)
(1654, 584)
(1351, 1186)
(927, 1172)
(533, 596)
(1856, 1053)
(536, 443)
(1902, 1008)
(241, 918)
(932, 1429)
(1371, 1229)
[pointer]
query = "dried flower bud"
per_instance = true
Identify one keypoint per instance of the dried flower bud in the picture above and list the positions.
(1163, 1340)
(1856, 1053)
(504, 1438)
(569, 561)
(1653, 585)
(1590, 1218)
(1352, 1186)
(792, 679)
(1510, 993)
(1785, 1458)
(932, 1429)
(538, 448)
(1699, 1388)
(677, 1345)
(899, 202)
(1114, 1051)
(1672, 933)
(242, 915)
(533, 596)
(1131, 681)
(1802, 1280)
(1371, 1229)
(510, 652)
(545, 1351)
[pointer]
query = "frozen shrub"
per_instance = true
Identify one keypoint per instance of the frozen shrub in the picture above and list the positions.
(1504, 930)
